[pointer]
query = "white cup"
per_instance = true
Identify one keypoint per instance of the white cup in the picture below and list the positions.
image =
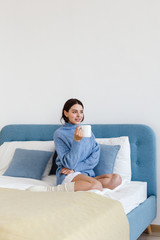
(86, 129)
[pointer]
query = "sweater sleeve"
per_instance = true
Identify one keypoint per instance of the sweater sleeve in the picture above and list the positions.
(69, 157)
(91, 161)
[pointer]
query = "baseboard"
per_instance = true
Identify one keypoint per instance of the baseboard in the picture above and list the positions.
(155, 228)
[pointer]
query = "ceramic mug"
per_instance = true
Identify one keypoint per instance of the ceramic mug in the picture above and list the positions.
(86, 129)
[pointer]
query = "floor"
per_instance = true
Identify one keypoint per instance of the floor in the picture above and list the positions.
(154, 236)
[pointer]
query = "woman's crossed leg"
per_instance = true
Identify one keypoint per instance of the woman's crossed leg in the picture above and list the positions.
(85, 183)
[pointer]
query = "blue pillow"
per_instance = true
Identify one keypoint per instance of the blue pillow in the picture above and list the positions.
(107, 158)
(28, 163)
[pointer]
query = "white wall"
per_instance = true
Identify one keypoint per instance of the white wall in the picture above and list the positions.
(106, 53)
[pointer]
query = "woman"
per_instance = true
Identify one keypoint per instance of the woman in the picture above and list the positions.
(77, 156)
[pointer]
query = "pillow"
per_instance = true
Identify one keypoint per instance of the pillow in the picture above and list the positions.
(28, 163)
(122, 164)
(107, 158)
(54, 166)
(7, 150)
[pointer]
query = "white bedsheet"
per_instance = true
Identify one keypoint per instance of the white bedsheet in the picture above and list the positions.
(130, 194)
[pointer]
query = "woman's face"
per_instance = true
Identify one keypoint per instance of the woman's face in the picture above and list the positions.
(75, 114)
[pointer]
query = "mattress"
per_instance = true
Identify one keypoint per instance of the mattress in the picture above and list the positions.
(130, 194)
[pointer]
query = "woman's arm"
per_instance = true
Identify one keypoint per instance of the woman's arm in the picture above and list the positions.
(91, 161)
(69, 157)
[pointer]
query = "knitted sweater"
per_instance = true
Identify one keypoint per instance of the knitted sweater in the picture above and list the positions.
(80, 156)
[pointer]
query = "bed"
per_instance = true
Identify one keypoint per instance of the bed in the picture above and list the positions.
(138, 187)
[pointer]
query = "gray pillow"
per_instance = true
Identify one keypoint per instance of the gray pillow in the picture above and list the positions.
(107, 159)
(28, 163)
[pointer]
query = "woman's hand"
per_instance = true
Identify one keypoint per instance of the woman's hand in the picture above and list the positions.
(66, 171)
(78, 134)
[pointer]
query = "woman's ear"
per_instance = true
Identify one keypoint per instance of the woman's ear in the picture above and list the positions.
(66, 113)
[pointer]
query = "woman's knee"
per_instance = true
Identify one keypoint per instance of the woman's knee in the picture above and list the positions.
(117, 179)
(95, 184)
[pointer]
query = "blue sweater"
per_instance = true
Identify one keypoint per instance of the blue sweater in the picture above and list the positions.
(81, 156)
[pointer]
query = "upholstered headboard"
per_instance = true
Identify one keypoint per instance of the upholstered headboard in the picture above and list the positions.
(141, 137)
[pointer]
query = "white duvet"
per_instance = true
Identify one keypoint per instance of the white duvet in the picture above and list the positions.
(130, 194)
(20, 183)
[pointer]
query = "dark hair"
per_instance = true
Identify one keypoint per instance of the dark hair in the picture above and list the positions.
(68, 105)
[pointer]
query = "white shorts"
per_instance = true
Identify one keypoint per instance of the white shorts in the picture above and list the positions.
(70, 177)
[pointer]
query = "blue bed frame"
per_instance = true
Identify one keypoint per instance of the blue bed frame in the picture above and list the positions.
(143, 160)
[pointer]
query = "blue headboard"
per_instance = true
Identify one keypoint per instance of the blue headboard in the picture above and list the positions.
(141, 137)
